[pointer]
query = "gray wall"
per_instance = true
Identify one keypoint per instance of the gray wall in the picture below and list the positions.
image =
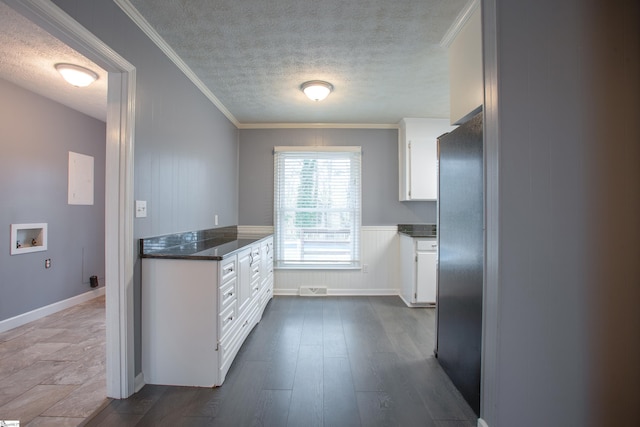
(186, 154)
(380, 205)
(37, 135)
(185, 148)
(565, 106)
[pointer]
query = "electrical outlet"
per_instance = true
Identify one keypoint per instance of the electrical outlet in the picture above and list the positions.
(215, 219)
(365, 268)
(47, 263)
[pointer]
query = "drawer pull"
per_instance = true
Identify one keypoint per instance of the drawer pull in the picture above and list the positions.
(227, 270)
(228, 319)
(229, 294)
(246, 322)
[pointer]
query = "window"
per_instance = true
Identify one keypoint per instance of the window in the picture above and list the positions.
(317, 207)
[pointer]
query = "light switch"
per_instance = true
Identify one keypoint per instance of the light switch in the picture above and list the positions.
(141, 208)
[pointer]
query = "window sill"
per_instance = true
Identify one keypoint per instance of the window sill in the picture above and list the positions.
(280, 265)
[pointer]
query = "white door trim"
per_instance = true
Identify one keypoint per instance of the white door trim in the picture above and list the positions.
(119, 242)
(491, 291)
(119, 245)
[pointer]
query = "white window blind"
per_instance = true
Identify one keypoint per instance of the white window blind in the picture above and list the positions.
(317, 207)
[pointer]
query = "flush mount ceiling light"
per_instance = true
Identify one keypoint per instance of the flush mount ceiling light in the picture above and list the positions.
(316, 90)
(76, 75)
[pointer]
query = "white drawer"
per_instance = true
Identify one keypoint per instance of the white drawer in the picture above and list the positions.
(426, 245)
(226, 320)
(228, 269)
(255, 287)
(227, 294)
(255, 271)
(228, 349)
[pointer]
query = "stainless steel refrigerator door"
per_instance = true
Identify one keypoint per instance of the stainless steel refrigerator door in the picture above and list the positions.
(460, 257)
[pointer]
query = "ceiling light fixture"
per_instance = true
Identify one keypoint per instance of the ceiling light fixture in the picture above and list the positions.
(76, 75)
(316, 90)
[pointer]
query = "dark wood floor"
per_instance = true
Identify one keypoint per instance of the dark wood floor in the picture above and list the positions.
(323, 361)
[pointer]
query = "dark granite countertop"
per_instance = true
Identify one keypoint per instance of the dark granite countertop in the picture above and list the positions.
(418, 230)
(212, 244)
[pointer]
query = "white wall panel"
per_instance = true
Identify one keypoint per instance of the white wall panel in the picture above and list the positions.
(380, 253)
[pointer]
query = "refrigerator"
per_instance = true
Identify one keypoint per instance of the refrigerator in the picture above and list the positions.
(460, 225)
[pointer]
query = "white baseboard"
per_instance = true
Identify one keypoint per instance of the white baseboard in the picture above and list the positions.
(47, 310)
(138, 383)
(343, 292)
(407, 303)
(285, 292)
(416, 304)
(363, 292)
(482, 423)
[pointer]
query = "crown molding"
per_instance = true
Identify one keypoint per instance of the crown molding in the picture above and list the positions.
(146, 28)
(459, 22)
(317, 126)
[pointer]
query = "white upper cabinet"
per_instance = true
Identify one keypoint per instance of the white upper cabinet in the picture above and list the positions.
(465, 70)
(418, 157)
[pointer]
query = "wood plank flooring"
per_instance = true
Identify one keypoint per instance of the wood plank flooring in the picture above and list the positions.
(323, 361)
(52, 371)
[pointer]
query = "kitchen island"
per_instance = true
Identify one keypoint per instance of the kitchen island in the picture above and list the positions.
(202, 294)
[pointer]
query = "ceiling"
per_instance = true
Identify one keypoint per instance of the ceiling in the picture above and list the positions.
(385, 59)
(27, 58)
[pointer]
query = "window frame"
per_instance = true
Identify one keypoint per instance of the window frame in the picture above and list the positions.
(356, 210)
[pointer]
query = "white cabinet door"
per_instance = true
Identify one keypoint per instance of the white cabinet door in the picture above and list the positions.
(266, 269)
(244, 279)
(418, 157)
(423, 177)
(256, 268)
(407, 269)
(426, 277)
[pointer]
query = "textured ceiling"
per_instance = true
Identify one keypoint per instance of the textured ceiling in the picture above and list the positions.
(27, 58)
(383, 57)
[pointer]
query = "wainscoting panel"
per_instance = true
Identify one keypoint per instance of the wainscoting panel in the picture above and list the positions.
(379, 275)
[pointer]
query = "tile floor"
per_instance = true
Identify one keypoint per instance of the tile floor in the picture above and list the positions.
(52, 371)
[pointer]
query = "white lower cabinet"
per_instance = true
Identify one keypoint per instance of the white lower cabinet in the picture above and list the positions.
(426, 274)
(196, 314)
(418, 260)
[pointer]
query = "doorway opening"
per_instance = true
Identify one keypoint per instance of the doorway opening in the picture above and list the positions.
(119, 244)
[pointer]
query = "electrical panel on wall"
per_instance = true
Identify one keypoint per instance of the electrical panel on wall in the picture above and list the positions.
(80, 179)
